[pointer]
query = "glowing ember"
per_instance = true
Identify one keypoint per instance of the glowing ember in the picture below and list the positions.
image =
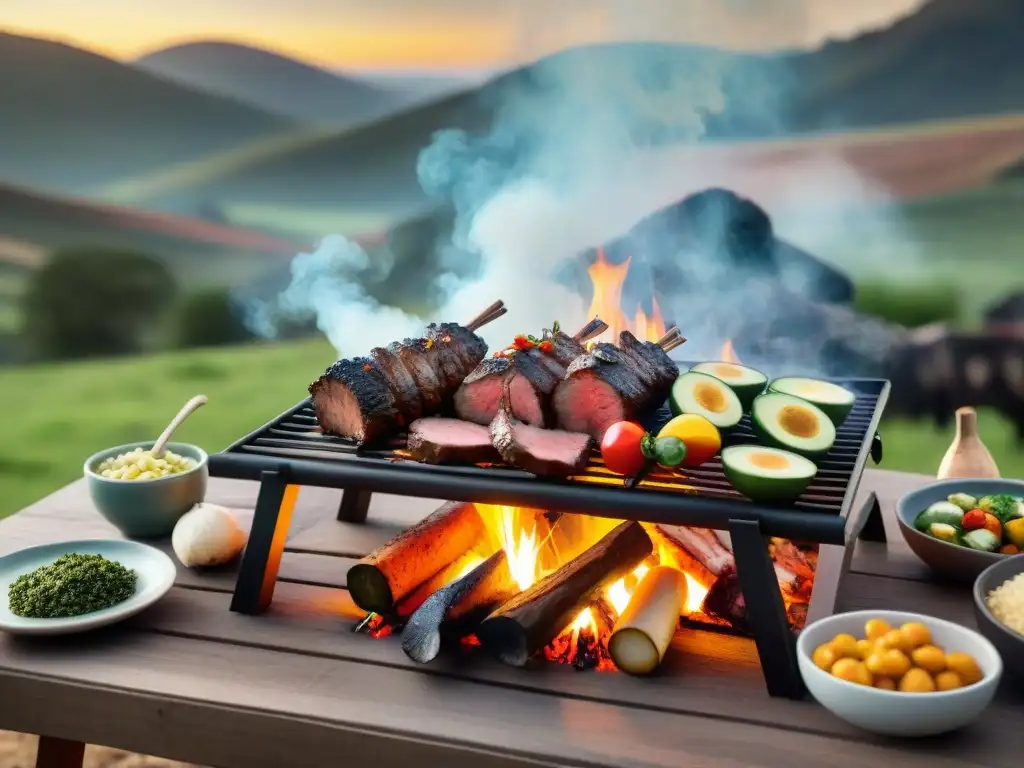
(607, 280)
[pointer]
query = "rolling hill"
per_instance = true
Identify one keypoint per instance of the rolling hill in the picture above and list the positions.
(34, 224)
(955, 58)
(273, 83)
(74, 120)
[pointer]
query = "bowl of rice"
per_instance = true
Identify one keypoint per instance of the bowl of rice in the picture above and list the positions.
(999, 610)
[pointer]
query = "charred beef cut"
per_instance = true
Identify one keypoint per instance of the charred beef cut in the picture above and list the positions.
(539, 451)
(353, 399)
(610, 384)
(534, 376)
(401, 383)
(437, 440)
(533, 382)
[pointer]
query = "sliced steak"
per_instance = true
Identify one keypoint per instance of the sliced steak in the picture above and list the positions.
(402, 384)
(532, 384)
(352, 399)
(413, 354)
(437, 440)
(599, 389)
(539, 451)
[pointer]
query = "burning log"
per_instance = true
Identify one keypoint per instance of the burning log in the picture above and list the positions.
(643, 632)
(707, 556)
(387, 575)
(528, 622)
(456, 609)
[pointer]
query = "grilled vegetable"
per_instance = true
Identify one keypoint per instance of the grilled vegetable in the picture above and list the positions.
(940, 512)
(945, 532)
(701, 437)
(767, 475)
(669, 451)
(1014, 531)
(787, 422)
(965, 501)
(623, 448)
(835, 401)
(1004, 506)
(982, 540)
(973, 520)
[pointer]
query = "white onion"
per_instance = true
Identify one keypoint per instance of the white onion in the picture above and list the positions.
(207, 535)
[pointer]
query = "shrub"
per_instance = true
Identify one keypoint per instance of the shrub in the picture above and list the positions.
(91, 301)
(210, 318)
(909, 305)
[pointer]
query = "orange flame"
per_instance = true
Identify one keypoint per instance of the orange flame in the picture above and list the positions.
(728, 353)
(517, 531)
(607, 280)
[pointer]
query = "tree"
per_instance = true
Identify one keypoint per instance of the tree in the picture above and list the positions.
(92, 301)
(210, 318)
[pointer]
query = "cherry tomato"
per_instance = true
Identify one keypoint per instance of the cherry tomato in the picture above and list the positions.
(622, 448)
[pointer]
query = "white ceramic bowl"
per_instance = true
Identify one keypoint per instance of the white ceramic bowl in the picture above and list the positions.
(890, 712)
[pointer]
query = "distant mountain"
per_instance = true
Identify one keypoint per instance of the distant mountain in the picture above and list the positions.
(954, 58)
(275, 83)
(72, 120)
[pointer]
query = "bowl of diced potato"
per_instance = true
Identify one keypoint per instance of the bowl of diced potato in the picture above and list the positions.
(143, 495)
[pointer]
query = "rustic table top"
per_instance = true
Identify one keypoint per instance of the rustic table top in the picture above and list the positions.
(192, 681)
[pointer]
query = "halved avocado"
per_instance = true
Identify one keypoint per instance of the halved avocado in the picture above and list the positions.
(706, 396)
(793, 424)
(767, 475)
(746, 382)
(835, 401)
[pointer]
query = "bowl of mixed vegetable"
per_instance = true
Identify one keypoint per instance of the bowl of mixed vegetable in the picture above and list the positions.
(960, 527)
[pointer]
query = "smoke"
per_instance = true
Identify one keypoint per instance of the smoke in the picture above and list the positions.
(582, 145)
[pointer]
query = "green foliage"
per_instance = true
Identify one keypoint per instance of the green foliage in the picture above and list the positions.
(909, 304)
(210, 318)
(87, 302)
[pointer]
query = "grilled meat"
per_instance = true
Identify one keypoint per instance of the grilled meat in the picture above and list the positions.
(437, 440)
(539, 451)
(477, 399)
(353, 399)
(369, 399)
(536, 374)
(400, 381)
(611, 384)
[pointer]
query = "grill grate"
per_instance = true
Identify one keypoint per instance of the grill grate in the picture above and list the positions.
(295, 435)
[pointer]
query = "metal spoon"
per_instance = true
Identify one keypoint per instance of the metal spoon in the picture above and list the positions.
(184, 413)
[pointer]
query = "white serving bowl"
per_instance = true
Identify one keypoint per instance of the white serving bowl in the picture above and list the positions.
(891, 712)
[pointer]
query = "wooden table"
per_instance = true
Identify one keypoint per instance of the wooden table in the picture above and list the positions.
(190, 680)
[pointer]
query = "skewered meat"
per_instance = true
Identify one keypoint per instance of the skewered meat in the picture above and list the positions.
(612, 384)
(437, 440)
(353, 399)
(536, 373)
(371, 398)
(536, 450)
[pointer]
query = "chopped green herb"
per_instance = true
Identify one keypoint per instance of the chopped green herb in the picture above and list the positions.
(72, 585)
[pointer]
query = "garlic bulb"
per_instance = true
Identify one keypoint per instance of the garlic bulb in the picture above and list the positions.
(206, 535)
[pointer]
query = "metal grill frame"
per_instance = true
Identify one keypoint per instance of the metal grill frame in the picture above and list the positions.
(360, 474)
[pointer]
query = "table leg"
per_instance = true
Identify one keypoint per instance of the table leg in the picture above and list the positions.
(59, 753)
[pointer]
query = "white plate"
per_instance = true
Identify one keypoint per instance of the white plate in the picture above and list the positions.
(156, 573)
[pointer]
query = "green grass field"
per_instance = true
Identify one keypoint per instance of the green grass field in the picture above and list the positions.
(72, 410)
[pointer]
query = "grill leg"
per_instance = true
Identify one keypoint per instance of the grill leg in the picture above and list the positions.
(766, 612)
(257, 576)
(354, 506)
(867, 523)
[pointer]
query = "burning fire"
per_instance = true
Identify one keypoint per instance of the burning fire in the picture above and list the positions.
(728, 353)
(532, 555)
(607, 280)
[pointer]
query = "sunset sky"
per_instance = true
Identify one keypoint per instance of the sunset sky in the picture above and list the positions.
(440, 34)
